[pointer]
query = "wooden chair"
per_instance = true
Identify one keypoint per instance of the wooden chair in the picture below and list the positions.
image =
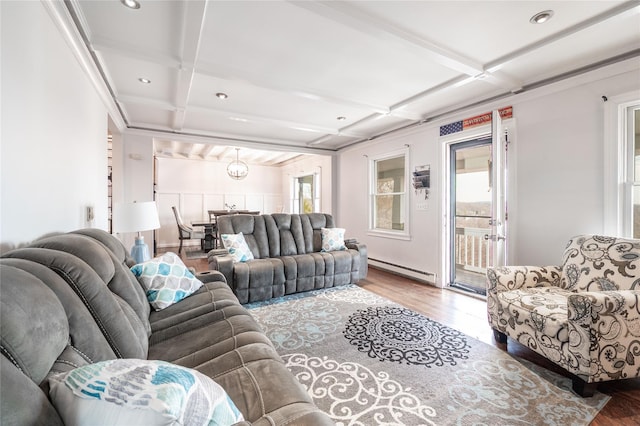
(185, 232)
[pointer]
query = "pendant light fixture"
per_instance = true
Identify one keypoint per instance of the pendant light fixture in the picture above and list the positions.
(238, 169)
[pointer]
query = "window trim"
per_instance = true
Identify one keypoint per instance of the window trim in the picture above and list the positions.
(404, 234)
(618, 188)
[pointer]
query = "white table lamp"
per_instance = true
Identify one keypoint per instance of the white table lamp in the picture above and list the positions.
(137, 217)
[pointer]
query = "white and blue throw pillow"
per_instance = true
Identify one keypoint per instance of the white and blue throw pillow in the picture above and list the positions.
(166, 280)
(237, 247)
(333, 239)
(140, 392)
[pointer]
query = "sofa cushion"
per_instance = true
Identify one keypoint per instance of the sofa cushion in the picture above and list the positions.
(116, 276)
(209, 298)
(333, 239)
(166, 280)
(121, 326)
(538, 310)
(84, 333)
(134, 391)
(237, 247)
(32, 338)
(599, 263)
(259, 279)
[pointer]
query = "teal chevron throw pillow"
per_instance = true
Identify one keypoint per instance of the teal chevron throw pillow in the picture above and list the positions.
(166, 280)
(332, 239)
(140, 392)
(237, 247)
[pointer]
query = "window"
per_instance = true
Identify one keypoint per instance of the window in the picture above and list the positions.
(622, 166)
(388, 192)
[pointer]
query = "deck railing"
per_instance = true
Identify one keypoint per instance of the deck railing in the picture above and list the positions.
(472, 250)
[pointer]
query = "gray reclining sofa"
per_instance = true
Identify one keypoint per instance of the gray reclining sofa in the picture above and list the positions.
(70, 300)
(287, 256)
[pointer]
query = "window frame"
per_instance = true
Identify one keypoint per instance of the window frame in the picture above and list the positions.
(619, 165)
(405, 233)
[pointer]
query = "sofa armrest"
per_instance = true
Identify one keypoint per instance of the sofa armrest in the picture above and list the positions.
(604, 334)
(364, 260)
(219, 260)
(210, 276)
(505, 278)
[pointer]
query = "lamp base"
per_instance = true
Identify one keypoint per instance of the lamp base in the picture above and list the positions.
(140, 251)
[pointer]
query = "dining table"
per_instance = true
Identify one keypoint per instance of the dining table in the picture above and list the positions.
(210, 240)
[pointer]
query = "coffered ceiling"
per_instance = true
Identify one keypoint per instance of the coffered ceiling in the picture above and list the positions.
(308, 76)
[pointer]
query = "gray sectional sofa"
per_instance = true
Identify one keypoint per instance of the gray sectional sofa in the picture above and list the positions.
(70, 300)
(287, 256)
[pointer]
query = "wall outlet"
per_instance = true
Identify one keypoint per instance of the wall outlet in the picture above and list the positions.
(89, 214)
(421, 206)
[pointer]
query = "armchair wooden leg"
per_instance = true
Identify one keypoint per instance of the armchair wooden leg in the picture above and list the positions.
(180, 248)
(583, 388)
(499, 336)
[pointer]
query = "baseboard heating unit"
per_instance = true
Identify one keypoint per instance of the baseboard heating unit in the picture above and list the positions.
(423, 276)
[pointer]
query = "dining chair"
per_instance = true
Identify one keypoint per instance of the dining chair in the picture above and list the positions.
(186, 232)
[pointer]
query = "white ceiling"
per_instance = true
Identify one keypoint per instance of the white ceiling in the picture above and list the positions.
(291, 68)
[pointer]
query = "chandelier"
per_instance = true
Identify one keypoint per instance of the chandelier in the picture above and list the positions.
(238, 169)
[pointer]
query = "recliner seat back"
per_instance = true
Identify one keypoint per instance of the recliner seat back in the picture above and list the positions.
(278, 234)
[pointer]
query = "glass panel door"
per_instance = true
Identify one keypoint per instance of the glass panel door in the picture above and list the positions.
(471, 209)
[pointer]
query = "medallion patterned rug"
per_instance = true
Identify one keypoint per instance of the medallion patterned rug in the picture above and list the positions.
(368, 361)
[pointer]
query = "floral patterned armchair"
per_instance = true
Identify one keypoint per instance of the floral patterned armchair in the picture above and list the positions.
(583, 315)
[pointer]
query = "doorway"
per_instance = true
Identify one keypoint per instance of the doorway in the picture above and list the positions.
(470, 214)
(305, 194)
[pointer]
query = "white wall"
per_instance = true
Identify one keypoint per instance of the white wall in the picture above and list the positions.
(559, 164)
(195, 186)
(421, 252)
(556, 166)
(304, 167)
(133, 177)
(54, 132)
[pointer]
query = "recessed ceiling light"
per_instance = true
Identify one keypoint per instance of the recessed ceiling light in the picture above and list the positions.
(144, 80)
(341, 118)
(221, 95)
(541, 17)
(131, 4)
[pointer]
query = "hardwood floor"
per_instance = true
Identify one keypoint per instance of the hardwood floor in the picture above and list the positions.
(468, 314)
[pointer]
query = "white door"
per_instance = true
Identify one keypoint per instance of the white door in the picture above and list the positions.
(477, 207)
(499, 216)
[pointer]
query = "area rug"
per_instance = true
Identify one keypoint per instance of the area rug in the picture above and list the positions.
(368, 361)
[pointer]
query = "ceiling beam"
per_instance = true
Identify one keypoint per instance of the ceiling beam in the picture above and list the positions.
(206, 150)
(193, 22)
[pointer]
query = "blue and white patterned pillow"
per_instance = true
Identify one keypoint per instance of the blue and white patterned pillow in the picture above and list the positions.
(140, 392)
(166, 280)
(333, 239)
(237, 247)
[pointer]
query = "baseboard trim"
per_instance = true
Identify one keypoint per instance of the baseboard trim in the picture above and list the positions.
(422, 276)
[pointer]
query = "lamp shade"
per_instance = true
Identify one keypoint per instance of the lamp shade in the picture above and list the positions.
(135, 217)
